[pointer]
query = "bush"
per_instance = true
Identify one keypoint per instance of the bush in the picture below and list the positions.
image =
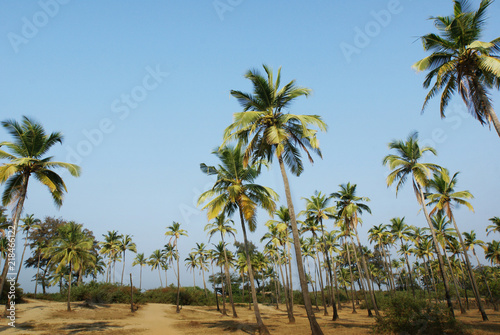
(18, 293)
(405, 315)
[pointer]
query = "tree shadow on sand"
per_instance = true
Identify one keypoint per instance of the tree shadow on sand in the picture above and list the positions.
(77, 328)
(232, 326)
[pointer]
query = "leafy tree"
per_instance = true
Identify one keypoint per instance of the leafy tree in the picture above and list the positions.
(461, 63)
(30, 143)
(268, 131)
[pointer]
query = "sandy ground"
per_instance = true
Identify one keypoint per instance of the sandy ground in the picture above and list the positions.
(46, 317)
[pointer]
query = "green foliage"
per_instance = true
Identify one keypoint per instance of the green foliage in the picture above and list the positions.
(406, 315)
(19, 294)
(168, 295)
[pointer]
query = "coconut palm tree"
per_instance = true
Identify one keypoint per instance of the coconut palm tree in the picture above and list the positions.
(349, 206)
(29, 223)
(123, 245)
(461, 63)
(492, 252)
(233, 191)
(30, 143)
(70, 248)
(376, 234)
(201, 254)
(110, 248)
(192, 263)
(269, 130)
(318, 210)
(401, 230)
(155, 261)
(223, 226)
(406, 163)
(444, 198)
(495, 227)
(175, 232)
(141, 261)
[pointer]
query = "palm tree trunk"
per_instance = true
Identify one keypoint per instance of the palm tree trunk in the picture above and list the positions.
(228, 281)
(37, 271)
(351, 276)
(386, 267)
(420, 199)
(123, 268)
(469, 267)
(290, 290)
(496, 122)
(321, 285)
(391, 269)
(69, 286)
(262, 327)
(178, 278)
(313, 286)
(315, 328)
(495, 306)
(454, 278)
(140, 278)
(291, 318)
(409, 269)
(204, 284)
(223, 287)
(22, 257)
(159, 276)
(15, 223)
(329, 264)
(362, 279)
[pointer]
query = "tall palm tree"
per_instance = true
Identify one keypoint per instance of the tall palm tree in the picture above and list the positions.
(70, 248)
(175, 232)
(29, 223)
(169, 256)
(492, 252)
(406, 163)
(30, 143)
(317, 209)
(495, 227)
(269, 130)
(233, 191)
(201, 254)
(444, 197)
(110, 248)
(223, 226)
(401, 230)
(461, 63)
(192, 263)
(141, 261)
(349, 206)
(155, 261)
(376, 234)
(123, 245)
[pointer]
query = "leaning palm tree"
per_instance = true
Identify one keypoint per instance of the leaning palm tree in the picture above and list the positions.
(70, 248)
(175, 232)
(29, 223)
(30, 143)
(461, 63)
(233, 191)
(141, 261)
(444, 197)
(126, 244)
(406, 163)
(270, 131)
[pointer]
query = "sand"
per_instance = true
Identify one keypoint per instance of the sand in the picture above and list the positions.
(47, 317)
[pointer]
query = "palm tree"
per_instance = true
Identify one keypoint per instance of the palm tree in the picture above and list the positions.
(141, 261)
(70, 248)
(201, 256)
(175, 232)
(224, 226)
(495, 227)
(233, 191)
(29, 145)
(155, 261)
(461, 63)
(376, 234)
(407, 163)
(317, 209)
(269, 130)
(169, 256)
(401, 230)
(444, 198)
(110, 248)
(348, 207)
(123, 245)
(492, 252)
(192, 263)
(29, 223)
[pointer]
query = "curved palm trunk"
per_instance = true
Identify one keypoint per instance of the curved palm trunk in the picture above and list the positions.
(22, 257)
(420, 199)
(228, 280)
(15, 223)
(469, 267)
(315, 328)
(262, 327)
(178, 278)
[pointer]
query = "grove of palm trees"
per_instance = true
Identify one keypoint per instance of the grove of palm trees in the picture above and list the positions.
(272, 243)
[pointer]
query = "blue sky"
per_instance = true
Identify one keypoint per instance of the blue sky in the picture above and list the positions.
(141, 92)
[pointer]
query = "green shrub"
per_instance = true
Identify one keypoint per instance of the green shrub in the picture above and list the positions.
(406, 315)
(18, 293)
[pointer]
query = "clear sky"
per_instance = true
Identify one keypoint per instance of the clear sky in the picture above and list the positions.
(140, 90)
